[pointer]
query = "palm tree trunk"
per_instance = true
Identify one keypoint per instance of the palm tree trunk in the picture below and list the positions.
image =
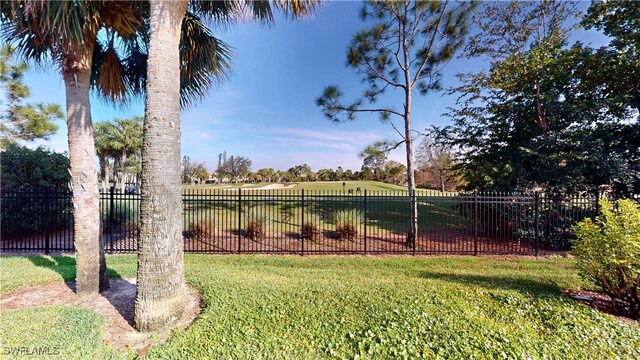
(105, 179)
(90, 262)
(103, 170)
(115, 173)
(160, 298)
(122, 166)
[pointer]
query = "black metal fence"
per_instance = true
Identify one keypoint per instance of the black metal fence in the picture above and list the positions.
(312, 222)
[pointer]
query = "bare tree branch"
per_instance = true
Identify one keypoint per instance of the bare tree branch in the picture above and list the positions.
(396, 129)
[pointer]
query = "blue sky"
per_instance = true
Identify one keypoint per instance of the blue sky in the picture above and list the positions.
(266, 111)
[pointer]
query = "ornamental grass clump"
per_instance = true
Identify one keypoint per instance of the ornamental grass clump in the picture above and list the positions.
(256, 228)
(608, 252)
(347, 223)
(312, 227)
(199, 230)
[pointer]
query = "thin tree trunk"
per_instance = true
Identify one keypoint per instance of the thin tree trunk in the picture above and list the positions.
(411, 186)
(540, 113)
(90, 262)
(442, 181)
(105, 179)
(161, 288)
(115, 173)
(123, 180)
(411, 183)
(103, 170)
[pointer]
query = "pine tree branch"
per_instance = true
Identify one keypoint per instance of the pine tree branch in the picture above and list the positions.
(432, 41)
(398, 131)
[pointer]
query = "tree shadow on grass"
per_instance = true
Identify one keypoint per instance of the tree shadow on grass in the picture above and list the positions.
(492, 282)
(63, 265)
(121, 293)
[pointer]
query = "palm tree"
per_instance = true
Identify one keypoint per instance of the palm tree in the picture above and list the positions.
(126, 137)
(66, 32)
(104, 149)
(160, 296)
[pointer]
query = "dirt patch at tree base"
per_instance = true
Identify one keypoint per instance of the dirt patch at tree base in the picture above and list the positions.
(116, 304)
(602, 302)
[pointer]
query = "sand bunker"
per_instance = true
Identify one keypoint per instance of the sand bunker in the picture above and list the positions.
(266, 187)
(276, 186)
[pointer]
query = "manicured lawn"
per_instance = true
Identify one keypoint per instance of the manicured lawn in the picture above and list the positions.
(348, 307)
(387, 206)
(374, 186)
(54, 332)
(353, 185)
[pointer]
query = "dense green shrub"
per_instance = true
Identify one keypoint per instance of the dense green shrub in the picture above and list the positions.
(608, 252)
(30, 211)
(347, 223)
(23, 168)
(35, 187)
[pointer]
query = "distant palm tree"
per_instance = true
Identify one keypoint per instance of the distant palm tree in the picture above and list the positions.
(126, 137)
(160, 281)
(104, 149)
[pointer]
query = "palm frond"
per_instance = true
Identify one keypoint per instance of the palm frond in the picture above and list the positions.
(219, 13)
(260, 10)
(125, 17)
(206, 60)
(135, 58)
(68, 21)
(298, 9)
(43, 30)
(110, 76)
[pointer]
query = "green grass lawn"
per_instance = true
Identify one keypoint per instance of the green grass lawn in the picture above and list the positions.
(346, 307)
(283, 208)
(374, 186)
(349, 185)
(284, 213)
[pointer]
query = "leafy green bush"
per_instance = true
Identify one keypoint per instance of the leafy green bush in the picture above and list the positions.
(312, 227)
(608, 252)
(256, 225)
(30, 211)
(35, 189)
(347, 223)
(23, 168)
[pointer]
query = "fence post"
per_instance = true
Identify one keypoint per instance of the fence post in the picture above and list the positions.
(302, 225)
(239, 220)
(47, 235)
(537, 216)
(475, 222)
(415, 208)
(111, 215)
(365, 221)
(597, 201)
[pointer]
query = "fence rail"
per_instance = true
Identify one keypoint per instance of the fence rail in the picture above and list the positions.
(311, 222)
